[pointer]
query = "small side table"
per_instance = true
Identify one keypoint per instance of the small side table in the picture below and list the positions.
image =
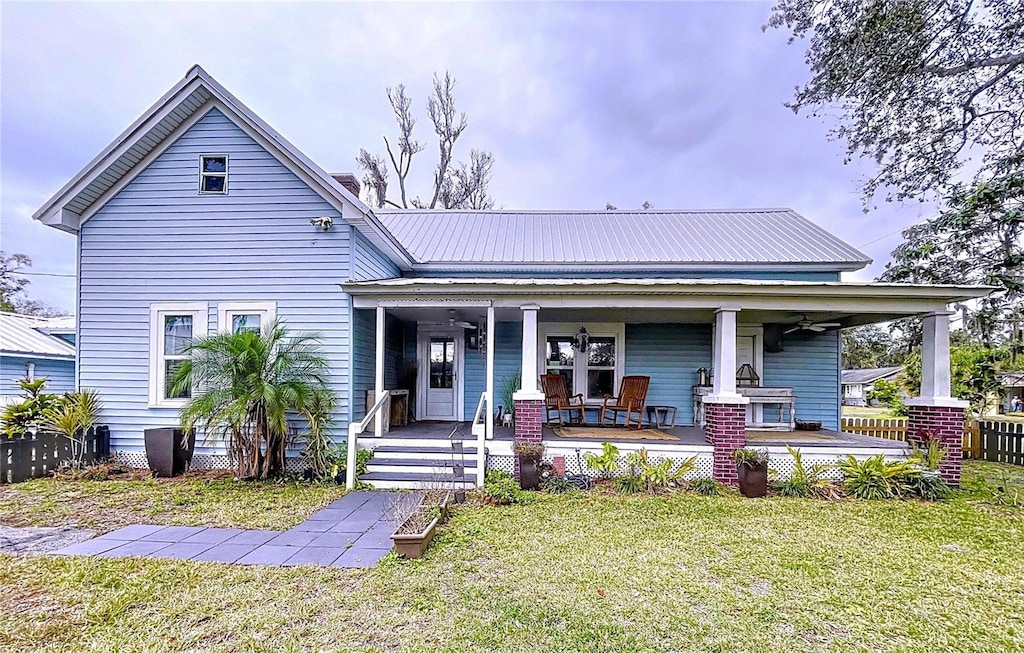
(660, 416)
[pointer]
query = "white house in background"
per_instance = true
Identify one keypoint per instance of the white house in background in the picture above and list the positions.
(858, 383)
(34, 347)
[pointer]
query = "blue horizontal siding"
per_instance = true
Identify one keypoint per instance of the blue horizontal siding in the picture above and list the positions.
(158, 240)
(368, 263)
(810, 365)
(60, 373)
(670, 354)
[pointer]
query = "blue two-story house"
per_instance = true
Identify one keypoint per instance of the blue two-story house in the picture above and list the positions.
(201, 217)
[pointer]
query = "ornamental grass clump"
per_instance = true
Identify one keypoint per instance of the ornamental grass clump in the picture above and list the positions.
(245, 386)
(806, 480)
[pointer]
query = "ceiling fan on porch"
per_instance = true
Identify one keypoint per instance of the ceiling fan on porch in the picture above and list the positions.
(811, 325)
(454, 322)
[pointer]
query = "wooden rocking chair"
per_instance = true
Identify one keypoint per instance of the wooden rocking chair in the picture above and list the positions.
(556, 398)
(631, 400)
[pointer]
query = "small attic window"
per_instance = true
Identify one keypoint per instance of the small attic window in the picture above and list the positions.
(213, 174)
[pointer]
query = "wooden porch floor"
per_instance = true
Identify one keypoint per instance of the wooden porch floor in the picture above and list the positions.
(685, 435)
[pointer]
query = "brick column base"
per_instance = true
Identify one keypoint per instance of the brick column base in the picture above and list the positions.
(726, 431)
(947, 424)
(529, 413)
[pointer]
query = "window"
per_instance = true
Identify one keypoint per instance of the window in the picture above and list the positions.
(442, 363)
(594, 372)
(238, 317)
(213, 174)
(172, 327)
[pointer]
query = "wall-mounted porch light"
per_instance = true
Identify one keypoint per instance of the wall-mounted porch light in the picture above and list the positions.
(581, 340)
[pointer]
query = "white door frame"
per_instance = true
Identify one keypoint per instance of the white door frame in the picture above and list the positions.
(423, 334)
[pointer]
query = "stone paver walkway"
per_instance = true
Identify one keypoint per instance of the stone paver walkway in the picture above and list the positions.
(351, 532)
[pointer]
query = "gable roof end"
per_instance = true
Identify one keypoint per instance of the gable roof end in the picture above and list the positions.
(196, 93)
(24, 335)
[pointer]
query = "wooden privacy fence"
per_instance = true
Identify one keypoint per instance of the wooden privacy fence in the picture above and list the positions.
(38, 455)
(1002, 442)
(994, 440)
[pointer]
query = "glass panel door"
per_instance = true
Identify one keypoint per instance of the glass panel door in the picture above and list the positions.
(442, 377)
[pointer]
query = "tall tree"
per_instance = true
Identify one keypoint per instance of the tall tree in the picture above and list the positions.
(977, 239)
(455, 184)
(919, 85)
(872, 346)
(14, 288)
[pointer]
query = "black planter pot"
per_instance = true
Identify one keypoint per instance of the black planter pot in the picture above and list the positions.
(166, 452)
(753, 480)
(529, 473)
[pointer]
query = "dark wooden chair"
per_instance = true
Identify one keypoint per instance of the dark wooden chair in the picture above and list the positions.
(556, 398)
(631, 400)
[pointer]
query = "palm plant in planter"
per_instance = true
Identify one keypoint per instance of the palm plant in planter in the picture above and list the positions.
(246, 385)
(529, 455)
(752, 470)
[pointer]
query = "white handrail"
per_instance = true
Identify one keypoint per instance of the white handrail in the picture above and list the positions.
(354, 429)
(481, 428)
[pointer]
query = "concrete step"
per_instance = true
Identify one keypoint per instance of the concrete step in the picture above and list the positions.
(414, 480)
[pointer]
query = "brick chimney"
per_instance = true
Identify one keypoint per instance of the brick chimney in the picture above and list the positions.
(348, 180)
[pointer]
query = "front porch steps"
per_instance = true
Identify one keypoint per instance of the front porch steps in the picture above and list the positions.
(411, 464)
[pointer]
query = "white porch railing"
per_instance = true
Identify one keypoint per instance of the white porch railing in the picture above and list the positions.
(483, 430)
(355, 428)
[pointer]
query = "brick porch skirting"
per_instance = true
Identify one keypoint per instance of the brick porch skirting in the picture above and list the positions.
(726, 431)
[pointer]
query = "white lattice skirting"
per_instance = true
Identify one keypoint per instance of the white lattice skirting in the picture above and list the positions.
(137, 460)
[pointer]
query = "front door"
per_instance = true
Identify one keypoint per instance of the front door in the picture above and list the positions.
(440, 355)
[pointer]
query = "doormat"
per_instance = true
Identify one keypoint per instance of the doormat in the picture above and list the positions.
(610, 433)
(790, 437)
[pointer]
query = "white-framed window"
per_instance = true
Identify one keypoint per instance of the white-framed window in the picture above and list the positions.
(236, 317)
(213, 174)
(594, 372)
(171, 328)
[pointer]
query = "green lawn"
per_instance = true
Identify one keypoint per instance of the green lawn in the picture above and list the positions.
(193, 500)
(868, 411)
(575, 573)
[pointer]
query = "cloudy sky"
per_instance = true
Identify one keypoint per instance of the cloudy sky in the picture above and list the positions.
(680, 104)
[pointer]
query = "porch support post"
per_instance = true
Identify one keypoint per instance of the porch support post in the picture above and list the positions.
(378, 382)
(481, 450)
(934, 413)
(725, 410)
(529, 400)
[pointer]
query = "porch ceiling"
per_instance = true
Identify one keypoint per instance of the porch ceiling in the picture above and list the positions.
(659, 300)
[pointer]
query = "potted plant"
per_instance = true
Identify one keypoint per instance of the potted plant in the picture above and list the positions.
(529, 455)
(752, 470)
(418, 523)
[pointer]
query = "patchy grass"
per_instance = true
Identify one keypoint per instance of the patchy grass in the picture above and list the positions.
(196, 499)
(868, 411)
(577, 573)
(1012, 476)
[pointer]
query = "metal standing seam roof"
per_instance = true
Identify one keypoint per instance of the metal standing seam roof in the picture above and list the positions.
(677, 237)
(868, 375)
(22, 335)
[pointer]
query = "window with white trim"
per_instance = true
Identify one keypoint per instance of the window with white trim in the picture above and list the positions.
(593, 372)
(172, 328)
(213, 174)
(238, 317)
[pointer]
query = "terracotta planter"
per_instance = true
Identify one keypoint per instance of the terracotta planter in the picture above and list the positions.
(412, 545)
(166, 452)
(753, 480)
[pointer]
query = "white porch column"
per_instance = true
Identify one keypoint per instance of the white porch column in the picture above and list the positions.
(489, 427)
(936, 388)
(378, 382)
(530, 389)
(723, 388)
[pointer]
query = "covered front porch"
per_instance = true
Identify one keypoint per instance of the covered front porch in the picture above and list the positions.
(451, 346)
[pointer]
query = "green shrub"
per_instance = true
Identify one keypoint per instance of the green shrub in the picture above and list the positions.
(930, 487)
(18, 418)
(606, 463)
(502, 488)
(878, 478)
(556, 485)
(709, 487)
(629, 483)
(887, 393)
(805, 481)
(653, 475)
(751, 457)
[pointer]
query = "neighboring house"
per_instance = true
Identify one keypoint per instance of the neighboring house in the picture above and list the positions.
(35, 347)
(1013, 389)
(858, 383)
(201, 217)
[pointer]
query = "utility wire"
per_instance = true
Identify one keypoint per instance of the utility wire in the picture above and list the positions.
(43, 274)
